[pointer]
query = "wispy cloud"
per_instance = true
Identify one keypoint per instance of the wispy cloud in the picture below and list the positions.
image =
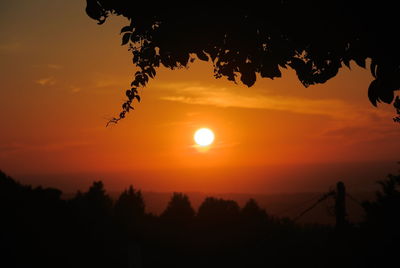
(372, 131)
(47, 81)
(75, 89)
(51, 66)
(103, 81)
(16, 147)
(349, 122)
(230, 97)
(10, 47)
(54, 66)
(218, 145)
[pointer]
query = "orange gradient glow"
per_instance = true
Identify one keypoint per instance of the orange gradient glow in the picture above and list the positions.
(60, 85)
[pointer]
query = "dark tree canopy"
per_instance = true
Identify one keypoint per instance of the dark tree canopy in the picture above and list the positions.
(218, 209)
(38, 228)
(179, 209)
(130, 206)
(252, 211)
(315, 38)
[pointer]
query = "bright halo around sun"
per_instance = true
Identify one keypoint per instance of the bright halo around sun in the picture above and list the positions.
(204, 137)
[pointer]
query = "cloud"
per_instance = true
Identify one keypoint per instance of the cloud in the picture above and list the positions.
(10, 47)
(10, 147)
(7, 148)
(104, 81)
(349, 122)
(217, 145)
(48, 66)
(230, 97)
(48, 81)
(75, 89)
(372, 132)
(54, 66)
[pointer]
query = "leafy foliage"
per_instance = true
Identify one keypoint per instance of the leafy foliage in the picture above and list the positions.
(314, 38)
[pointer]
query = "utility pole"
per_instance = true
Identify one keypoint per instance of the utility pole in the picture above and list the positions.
(340, 206)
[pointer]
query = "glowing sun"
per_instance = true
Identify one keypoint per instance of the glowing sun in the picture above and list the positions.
(204, 137)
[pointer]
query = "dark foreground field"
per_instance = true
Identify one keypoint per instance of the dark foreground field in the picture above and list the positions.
(91, 229)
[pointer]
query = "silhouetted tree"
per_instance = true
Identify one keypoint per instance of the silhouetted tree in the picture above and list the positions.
(39, 229)
(129, 213)
(92, 211)
(384, 212)
(315, 38)
(9, 191)
(179, 209)
(31, 223)
(251, 212)
(130, 206)
(93, 224)
(382, 223)
(218, 210)
(97, 200)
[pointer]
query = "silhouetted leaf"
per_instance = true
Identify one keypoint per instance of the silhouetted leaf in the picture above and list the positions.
(126, 29)
(202, 56)
(373, 68)
(360, 61)
(135, 38)
(125, 38)
(270, 71)
(95, 11)
(373, 92)
(396, 103)
(135, 83)
(248, 78)
(346, 62)
(386, 96)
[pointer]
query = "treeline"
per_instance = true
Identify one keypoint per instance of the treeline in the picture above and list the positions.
(40, 229)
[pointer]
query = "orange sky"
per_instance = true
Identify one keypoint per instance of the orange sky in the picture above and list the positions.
(62, 76)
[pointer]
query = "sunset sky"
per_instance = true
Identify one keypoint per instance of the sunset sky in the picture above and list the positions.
(63, 76)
